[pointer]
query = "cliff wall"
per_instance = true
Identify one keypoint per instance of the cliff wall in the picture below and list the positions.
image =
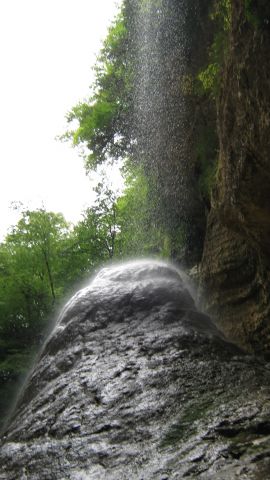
(235, 266)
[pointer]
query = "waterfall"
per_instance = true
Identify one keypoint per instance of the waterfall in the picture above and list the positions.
(164, 111)
(161, 110)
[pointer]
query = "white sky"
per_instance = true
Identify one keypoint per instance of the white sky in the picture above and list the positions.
(47, 48)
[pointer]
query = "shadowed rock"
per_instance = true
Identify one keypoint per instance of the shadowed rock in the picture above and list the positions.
(135, 383)
(235, 270)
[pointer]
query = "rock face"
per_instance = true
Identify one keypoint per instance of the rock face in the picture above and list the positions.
(134, 383)
(236, 260)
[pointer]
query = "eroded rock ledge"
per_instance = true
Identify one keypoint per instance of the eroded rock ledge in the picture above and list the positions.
(134, 383)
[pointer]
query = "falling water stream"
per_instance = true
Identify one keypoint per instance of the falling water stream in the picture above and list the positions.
(162, 115)
(166, 56)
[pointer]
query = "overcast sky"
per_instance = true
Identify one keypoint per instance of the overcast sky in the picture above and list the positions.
(47, 48)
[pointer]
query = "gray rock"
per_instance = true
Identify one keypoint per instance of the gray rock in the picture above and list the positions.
(135, 384)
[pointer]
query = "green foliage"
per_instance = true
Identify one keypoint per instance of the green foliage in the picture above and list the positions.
(30, 264)
(140, 233)
(120, 227)
(222, 12)
(95, 236)
(102, 122)
(210, 76)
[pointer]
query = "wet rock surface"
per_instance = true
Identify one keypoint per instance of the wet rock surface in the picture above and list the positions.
(135, 383)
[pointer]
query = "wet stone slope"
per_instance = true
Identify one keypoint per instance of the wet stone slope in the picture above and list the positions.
(135, 383)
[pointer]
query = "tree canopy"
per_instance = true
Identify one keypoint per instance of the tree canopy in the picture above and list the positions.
(102, 124)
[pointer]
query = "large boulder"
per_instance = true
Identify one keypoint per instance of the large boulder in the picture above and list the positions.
(135, 383)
